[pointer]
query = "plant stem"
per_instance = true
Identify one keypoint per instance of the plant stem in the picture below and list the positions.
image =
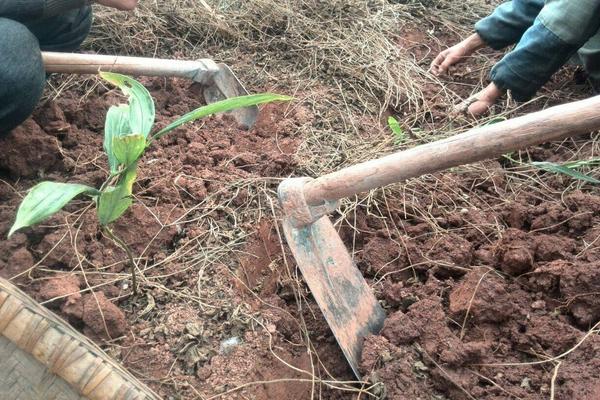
(110, 179)
(124, 246)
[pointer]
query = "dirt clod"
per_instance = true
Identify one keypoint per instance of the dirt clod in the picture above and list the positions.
(29, 152)
(481, 294)
(101, 318)
(59, 288)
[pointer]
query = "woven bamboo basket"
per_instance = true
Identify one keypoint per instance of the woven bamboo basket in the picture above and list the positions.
(43, 358)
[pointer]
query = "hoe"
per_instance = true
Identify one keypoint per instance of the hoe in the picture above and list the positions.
(343, 295)
(217, 80)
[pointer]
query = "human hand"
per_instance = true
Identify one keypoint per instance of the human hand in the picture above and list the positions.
(455, 54)
(448, 58)
(124, 5)
(480, 103)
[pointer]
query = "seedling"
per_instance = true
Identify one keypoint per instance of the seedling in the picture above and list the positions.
(570, 169)
(397, 131)
(127, 134)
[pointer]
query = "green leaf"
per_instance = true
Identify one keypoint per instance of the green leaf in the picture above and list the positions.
(112, 203)
(394, 125)
(561, 169)
(44, 200)
(141, 105)
(127, 149)
(115, 200)
(222, 106)
(116, 125)
(592, 162)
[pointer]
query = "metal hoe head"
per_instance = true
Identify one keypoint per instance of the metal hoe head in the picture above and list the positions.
(343, 295)
(222, 84)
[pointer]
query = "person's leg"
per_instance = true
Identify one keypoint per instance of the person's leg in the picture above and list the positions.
(22, 75)
(589, 55)
(508, 22)
(502, 28)
(561, 28)
(64, 32)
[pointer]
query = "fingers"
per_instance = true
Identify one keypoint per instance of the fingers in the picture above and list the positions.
(436, 64)
(448, 62)
(447, 58)
(479, 108)
(443, 62)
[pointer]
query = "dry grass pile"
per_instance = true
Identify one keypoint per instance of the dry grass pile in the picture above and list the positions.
(344, 43)
(343, 58)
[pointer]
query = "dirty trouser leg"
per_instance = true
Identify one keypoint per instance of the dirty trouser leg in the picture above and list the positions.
(583, 16)
(508, 22)
(589, 57)
(22, 76)
(64, 32)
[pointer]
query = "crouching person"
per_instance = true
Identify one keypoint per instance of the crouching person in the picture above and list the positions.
(547, 34)
(28, 27)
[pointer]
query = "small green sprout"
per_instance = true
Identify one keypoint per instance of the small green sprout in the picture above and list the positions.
(570, 169)
(399, 135)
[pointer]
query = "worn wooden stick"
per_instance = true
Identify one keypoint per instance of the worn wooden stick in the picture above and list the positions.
(477, 144)
(72, 63)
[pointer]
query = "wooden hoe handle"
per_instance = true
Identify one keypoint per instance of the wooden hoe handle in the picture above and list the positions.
(72, 63)
(474, 145)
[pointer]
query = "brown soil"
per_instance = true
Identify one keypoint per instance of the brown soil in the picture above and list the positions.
(476, 294)
(475, 269)
(177, 345)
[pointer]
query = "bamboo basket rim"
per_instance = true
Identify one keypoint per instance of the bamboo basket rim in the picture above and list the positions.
(64, 351)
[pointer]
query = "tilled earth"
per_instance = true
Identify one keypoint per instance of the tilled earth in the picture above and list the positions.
(504, 282)
(486, 276)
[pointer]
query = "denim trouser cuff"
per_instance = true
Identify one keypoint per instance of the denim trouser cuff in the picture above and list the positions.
(506, 79)
(539, 54)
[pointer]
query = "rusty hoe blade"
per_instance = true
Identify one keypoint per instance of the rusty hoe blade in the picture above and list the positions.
(343, 295)
(220, 83)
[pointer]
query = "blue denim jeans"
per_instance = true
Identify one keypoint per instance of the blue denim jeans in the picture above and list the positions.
(22, 76)
(547, 34)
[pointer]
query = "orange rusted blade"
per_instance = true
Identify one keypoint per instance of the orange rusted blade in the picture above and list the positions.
(348, 303)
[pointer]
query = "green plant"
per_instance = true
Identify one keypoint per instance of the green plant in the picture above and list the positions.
(399, 135)
(570, 168)
(127, 134)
